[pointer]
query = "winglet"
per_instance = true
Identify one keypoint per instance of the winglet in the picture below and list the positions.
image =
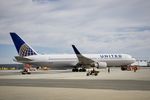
(82, 59)
(76, 50)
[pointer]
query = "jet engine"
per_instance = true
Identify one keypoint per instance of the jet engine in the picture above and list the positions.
(99, 64)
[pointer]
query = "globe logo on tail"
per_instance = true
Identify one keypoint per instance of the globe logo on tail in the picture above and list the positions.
(25, 50)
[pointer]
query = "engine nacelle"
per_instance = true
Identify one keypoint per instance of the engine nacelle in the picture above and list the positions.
(99, 64)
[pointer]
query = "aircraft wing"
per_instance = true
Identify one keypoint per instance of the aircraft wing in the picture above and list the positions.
(82, 59)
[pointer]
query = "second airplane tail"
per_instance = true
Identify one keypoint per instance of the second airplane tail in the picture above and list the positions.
(23, 49)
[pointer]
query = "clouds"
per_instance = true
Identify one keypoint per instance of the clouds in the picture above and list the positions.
(95, 26)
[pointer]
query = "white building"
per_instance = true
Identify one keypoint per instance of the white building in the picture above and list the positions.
(143, 63)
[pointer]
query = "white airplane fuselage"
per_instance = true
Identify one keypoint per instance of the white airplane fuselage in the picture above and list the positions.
(70, 60)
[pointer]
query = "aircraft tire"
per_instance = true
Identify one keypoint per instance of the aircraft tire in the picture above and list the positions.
(73, 70)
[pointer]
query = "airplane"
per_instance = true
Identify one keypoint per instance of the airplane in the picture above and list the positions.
(77, 62)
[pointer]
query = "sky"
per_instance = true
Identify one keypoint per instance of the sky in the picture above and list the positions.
(94, 26)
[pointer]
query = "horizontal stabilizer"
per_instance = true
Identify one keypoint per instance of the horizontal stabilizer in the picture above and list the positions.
(22, 59)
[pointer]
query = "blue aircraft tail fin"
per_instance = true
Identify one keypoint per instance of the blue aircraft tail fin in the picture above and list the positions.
(23, 49)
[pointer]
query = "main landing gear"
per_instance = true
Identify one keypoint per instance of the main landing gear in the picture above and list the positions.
(78, 70)
(92, 72)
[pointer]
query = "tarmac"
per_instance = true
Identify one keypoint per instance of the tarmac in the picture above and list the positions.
(67, 85)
